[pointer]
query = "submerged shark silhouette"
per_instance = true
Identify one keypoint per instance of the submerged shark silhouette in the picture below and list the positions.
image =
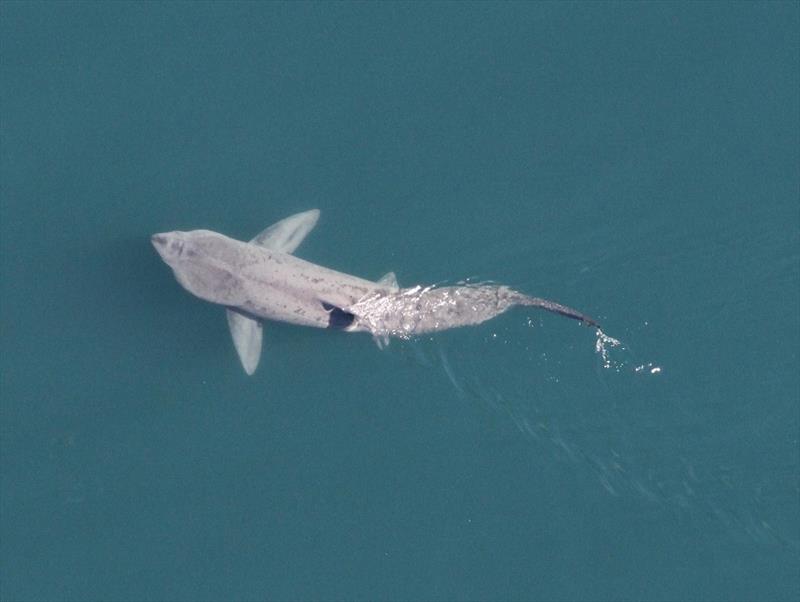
(261, 280)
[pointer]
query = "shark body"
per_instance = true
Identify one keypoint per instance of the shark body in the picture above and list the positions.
(262, 280)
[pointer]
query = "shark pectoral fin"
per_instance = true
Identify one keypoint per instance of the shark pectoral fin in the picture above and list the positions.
(246, 334)
(389, 280)
(286, 235)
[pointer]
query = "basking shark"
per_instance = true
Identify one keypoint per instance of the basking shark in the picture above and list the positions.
(262, 280)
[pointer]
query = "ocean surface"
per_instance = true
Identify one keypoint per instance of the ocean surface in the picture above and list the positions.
(639, 162)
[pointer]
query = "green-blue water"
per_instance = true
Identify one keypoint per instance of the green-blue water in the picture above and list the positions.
(636, 161)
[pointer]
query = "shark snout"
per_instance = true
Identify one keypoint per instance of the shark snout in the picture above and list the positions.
(168, 244)
(161, 243)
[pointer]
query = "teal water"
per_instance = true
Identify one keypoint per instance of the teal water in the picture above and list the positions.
(636, 161)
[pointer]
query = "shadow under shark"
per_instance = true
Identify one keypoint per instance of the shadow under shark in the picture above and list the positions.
(261, 280)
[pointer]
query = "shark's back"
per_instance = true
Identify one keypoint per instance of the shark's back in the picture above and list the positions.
(279, 286)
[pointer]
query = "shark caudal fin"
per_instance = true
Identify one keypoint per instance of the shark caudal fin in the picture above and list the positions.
(557, 308)
(284, 236)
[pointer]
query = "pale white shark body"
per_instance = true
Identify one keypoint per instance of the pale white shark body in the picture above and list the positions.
(261, 280)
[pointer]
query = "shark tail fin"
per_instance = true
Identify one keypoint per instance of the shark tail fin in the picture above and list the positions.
(556, 308)
(246, 334)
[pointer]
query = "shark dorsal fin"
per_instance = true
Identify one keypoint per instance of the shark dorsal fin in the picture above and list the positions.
(286, 235)
(389, 280)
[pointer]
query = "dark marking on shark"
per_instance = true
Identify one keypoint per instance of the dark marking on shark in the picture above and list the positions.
(339, 318)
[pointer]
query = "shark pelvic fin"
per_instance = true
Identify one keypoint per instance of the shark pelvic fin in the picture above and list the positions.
(286, 235)
(389, 279)
(246, 333)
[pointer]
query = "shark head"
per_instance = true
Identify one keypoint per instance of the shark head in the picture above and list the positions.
(201, 262)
